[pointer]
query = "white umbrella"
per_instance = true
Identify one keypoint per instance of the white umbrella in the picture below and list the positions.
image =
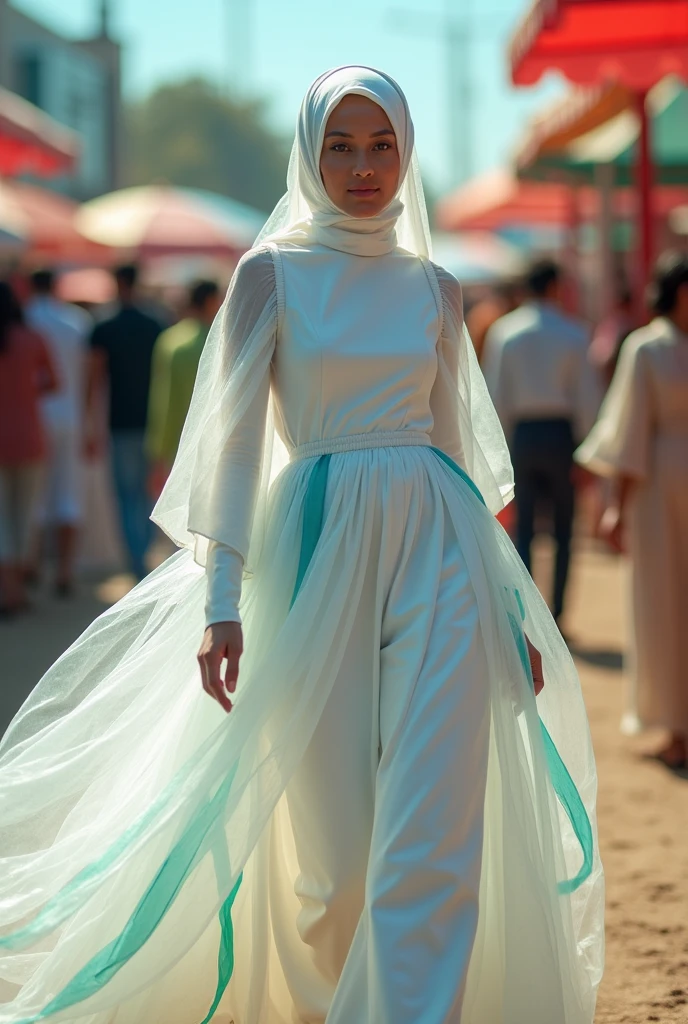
(159, 219)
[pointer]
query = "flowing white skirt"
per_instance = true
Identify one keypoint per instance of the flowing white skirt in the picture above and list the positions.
(144, 834)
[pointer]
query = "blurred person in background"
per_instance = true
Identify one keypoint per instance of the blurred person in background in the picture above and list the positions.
(610, 334)
(547, 394)
(502, 298)
(641, 442)
(121, 349)
(26, 374)
(175, 362)
(66, 329)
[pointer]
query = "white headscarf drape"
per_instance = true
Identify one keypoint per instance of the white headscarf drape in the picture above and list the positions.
(307, 214)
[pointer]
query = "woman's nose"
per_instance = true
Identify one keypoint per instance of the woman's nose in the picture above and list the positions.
(362, 168)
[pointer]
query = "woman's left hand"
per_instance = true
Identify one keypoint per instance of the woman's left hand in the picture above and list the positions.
(535, 659)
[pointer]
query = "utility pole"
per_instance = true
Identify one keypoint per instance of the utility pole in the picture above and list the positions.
(239, 17)
(456, 35)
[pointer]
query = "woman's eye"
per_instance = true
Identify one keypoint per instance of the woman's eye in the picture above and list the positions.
(339, 147)
(383, 146)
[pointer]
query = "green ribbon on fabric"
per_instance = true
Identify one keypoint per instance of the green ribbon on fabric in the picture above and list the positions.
(225, 959)
(149, 912)
(313, 513)
(563, 784)
(176, 867)
(570, 799)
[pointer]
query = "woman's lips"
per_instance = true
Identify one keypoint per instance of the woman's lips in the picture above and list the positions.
(363, 192)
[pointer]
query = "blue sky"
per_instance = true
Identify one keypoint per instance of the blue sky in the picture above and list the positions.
(290, 42)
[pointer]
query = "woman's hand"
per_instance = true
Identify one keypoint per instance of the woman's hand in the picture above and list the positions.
(612, 528)
(222, 640)
(613, 523)
(535, 659)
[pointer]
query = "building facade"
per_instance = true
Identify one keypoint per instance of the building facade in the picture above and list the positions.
(76, 82)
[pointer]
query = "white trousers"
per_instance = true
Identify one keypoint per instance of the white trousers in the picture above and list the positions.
(387, 804)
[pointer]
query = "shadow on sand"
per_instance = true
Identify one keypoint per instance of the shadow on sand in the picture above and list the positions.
(599, 657)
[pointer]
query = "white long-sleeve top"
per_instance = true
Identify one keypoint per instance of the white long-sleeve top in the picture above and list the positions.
(537, 367)
(360, 346)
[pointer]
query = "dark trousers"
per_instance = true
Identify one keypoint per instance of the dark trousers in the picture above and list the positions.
(130, 471)
(542, 453)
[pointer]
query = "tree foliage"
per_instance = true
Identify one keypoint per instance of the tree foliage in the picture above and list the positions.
(189, 134)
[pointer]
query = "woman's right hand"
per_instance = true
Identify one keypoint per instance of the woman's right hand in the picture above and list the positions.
(222, 640)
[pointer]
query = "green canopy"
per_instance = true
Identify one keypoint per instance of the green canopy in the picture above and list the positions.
(615, 143)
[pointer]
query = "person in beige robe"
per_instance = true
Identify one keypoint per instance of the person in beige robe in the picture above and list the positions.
(641, 440)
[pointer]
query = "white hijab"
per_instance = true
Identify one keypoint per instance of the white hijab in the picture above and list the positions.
(306, 214)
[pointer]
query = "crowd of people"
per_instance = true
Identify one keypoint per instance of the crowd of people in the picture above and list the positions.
(75, 387)
(60, 369)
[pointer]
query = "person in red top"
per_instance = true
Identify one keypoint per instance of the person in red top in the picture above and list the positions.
(26, 373)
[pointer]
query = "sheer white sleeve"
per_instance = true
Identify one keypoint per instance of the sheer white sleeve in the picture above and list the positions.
(620, 443)
(446, 432)
(224, 568)
(218, 475)
(466, 425)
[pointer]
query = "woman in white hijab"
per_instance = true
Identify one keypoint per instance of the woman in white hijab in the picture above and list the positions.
(387, 827)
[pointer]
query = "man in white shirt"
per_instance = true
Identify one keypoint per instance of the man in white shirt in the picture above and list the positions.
(547, 394)
(65, 329)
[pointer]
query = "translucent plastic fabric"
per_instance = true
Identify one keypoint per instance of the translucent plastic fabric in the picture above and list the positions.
(146, 779)
(144, 843)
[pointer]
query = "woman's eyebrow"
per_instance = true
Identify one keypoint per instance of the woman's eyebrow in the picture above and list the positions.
(347, 135)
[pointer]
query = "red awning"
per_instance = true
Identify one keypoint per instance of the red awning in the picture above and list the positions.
(498, 200)
(31, 142)
(636, 42)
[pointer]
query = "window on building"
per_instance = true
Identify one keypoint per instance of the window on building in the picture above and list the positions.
(29, 76)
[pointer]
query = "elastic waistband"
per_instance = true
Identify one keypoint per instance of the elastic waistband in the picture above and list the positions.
(357, 442)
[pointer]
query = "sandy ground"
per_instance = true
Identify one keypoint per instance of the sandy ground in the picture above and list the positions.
(643, 818)
(643, 808)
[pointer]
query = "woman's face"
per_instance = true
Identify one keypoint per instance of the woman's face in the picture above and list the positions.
(359, 162)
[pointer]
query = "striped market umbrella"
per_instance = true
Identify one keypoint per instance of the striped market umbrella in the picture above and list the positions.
(155, 220)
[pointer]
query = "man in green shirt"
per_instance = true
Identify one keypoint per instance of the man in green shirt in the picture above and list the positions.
(175, 362)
